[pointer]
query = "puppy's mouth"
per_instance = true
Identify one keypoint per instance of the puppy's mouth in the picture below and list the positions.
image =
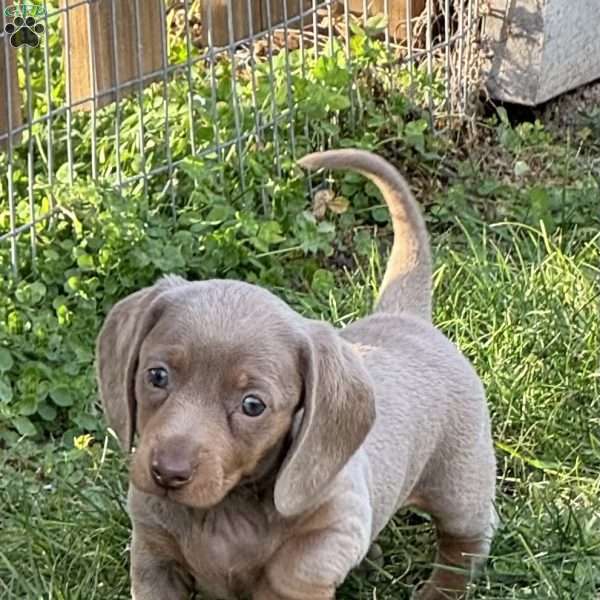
(201, 492)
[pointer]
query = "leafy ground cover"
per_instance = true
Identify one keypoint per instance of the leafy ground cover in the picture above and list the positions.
(514, 222)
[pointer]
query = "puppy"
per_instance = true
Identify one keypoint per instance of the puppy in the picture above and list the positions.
(273, 449)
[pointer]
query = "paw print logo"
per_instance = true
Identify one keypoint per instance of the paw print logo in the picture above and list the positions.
(24, 32)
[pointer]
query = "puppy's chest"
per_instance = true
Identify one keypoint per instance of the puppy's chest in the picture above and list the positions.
(227, 549)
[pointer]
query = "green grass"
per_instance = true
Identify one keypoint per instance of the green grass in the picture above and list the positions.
(526, 314)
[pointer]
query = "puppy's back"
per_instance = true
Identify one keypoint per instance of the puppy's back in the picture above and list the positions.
(429, 401)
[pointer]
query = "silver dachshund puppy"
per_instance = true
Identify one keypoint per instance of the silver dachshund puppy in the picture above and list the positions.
(273, 449)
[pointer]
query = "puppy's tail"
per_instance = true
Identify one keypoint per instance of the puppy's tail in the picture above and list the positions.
(406, 285)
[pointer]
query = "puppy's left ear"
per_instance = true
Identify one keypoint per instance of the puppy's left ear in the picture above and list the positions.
(117, 349)
(339, 411)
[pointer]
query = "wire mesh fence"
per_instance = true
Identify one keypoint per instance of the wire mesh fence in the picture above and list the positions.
(132, 96)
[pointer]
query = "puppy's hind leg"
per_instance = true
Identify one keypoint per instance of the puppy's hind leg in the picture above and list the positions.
(462, 505)
(456, 563)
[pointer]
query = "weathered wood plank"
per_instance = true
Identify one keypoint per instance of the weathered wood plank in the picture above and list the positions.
(263, 13)
(103, 44)
(541, 48)
(292, 8)
(397, 13)
(216, 13)
(9, 87)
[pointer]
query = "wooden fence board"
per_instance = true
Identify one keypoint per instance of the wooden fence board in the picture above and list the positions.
(397, 13)
(103, 45)
(219, 18)
(292, 7)
(216, 13)
(9, 86)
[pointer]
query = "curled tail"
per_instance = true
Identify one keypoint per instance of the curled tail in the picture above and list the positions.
(406, 285)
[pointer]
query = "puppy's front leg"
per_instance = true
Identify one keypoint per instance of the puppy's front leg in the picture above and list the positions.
(307, 592)
(311, 566)
(155, 574)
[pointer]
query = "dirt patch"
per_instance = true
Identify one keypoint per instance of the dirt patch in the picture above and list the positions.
(573, 110)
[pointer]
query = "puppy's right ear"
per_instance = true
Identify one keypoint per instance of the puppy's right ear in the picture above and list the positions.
(127, 324)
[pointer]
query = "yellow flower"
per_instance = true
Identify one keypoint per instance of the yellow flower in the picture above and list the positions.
(82, 442)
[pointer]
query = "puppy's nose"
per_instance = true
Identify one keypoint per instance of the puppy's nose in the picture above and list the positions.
(171, 471)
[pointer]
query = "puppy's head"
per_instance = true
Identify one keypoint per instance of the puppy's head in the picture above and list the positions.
(211, 376)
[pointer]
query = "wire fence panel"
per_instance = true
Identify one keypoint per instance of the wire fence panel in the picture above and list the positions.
(133, 96)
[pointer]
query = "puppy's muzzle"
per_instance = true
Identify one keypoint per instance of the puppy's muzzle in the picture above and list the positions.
(171, 470)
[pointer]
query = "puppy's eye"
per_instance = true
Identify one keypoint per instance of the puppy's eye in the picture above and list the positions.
(158, 377)
(253, 406)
